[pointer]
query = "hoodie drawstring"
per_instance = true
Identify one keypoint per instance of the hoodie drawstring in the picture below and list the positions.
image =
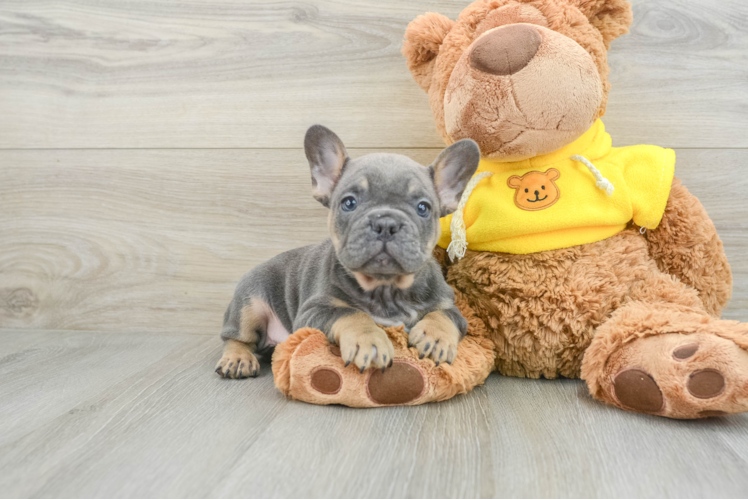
(602, 182)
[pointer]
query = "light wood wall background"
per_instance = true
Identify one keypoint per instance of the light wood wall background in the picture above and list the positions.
(150, 150)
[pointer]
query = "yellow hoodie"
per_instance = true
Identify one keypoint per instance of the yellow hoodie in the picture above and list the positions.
(558, 200)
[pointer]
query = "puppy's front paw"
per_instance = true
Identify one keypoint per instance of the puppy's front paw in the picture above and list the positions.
(238, 363)
(435, 336)
(366, 346)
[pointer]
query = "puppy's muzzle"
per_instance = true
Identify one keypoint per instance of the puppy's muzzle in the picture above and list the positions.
(383, 242)
(385, 227)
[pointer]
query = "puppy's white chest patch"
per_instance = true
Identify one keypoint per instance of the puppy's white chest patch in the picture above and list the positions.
(276, 332)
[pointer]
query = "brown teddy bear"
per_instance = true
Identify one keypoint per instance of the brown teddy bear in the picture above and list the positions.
(568, 257)
(574, 258)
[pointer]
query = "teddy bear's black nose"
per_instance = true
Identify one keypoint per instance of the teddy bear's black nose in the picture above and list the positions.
(505, 50)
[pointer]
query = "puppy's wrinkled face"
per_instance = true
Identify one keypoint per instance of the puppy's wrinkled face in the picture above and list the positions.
(384, 216)
(385, 208)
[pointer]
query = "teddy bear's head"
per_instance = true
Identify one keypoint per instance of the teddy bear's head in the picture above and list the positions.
(520, 77)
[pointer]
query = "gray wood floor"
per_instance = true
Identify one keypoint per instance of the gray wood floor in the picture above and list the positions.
(150, 154)
(105, 414)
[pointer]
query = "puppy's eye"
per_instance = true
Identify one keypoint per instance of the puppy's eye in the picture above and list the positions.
(542, 187)
(348, 204)
(423, 209)
(527, 190)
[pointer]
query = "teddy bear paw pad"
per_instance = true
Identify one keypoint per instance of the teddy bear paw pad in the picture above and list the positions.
(706, 384)
(638, 390)
(326, 381)
(399, 384)
(685, 351)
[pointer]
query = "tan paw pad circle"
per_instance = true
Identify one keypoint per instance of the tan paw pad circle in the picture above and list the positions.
(399, 384)
(638, 390)
(326, 381)
(705, 384)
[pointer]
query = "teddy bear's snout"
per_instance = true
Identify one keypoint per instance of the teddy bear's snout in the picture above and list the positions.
(505, 50)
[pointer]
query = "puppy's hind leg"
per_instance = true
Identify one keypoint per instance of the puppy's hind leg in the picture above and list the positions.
(243, 327)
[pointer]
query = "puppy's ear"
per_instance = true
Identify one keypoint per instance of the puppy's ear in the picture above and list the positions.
(451, 172)
(423, 38)
(327, 157)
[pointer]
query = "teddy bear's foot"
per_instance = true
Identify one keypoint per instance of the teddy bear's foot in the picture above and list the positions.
(308, 368)
(680, 376)
(677, 375)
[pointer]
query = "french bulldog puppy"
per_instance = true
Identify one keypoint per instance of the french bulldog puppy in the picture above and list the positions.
(375, 269)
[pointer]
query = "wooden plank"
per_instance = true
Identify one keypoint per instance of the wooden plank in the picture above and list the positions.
(144, 239)
(128, 392)
(679, 76)
(156, 240)
(150, 419)
(715, 177)
(44, 378)
(562, 443)
(257, 73)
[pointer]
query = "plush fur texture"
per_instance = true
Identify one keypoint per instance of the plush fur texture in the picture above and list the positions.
(646, 337)
(434, 47)
(410, 381)
(686, 245)
(634, 315)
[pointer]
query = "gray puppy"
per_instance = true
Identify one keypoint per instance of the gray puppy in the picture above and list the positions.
(376, 268)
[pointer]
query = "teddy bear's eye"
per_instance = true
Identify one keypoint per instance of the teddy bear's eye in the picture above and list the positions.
(542, 187)
(527, 190)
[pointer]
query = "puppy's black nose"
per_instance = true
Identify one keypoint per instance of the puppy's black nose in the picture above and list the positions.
(537, 193)
(385, 227)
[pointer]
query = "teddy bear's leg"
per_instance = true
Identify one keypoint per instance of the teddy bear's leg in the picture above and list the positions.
(662, 354)
(686, 245)
(308, 368)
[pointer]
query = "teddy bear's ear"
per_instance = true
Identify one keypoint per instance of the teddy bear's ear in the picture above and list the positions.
(611, 17)
(423, 38)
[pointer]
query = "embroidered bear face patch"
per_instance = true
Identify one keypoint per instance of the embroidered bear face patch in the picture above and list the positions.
(535, 190)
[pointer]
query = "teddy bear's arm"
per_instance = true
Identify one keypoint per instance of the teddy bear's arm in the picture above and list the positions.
(442, 259)
(686, 245)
